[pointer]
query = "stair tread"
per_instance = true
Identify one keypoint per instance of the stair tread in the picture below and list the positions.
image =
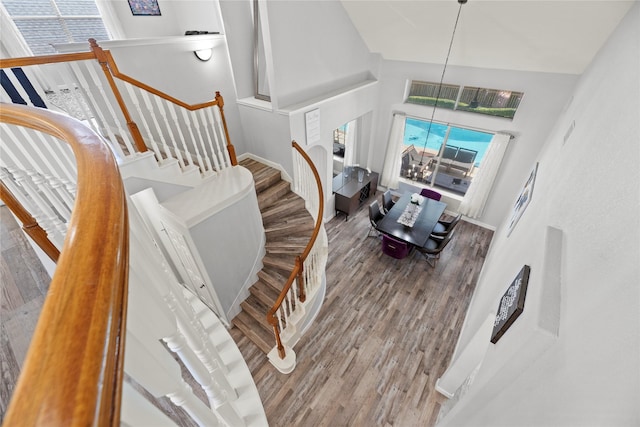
(288, 227)
(271, 195)
(264, 292)
(254, 331)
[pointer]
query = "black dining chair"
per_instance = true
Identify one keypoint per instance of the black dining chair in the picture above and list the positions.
(387, 201)
(434, 247)
(375, 215)
(443, 228)
(430, 194)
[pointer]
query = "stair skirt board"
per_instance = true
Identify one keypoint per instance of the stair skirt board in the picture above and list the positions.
(235, 308)
(284, 175)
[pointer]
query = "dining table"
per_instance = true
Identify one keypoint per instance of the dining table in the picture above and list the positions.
(412, 223)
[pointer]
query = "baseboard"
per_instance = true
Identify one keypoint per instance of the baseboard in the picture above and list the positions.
(283, 173)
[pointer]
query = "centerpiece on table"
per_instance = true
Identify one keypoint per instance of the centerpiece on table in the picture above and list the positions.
(416, 200)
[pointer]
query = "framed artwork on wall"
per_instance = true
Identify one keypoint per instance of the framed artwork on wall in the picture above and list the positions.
(511, 304)
(312, 126)
(523, 199)
(144, 7)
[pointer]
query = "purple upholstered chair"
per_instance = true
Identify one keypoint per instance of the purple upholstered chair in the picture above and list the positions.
(394, 248)
(430, 194)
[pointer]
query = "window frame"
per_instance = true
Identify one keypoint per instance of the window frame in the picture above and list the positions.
(460, 104)
(18, 45)
(430, 181)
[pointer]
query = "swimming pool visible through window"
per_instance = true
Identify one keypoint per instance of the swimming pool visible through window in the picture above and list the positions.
(449, 159)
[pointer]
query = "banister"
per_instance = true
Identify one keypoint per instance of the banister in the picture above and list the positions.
(29, 223)
(73, 371)
(299, 261)
(106, 60)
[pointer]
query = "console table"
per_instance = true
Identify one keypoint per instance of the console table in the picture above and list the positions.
(350, 193)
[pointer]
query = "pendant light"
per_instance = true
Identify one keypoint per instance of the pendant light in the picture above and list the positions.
(444, 69)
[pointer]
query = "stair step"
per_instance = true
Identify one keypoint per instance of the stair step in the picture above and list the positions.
(288, 203)
(273, 278)
(254, 331)
(294, 247)
(296, 226)
(285, 214)
(264, 176)
(271, 195)
(280, 262)
(264, 292)
(288, 227)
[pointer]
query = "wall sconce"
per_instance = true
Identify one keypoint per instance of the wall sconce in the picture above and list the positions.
(204, 54)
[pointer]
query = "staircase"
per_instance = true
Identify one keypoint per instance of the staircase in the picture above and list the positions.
(288, 227)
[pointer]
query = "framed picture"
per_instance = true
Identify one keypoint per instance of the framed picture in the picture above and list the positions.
(144, 7)
(511, 304)
(523, 199)
(312, 126)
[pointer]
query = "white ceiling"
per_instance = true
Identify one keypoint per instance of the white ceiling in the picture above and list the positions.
(560, 36)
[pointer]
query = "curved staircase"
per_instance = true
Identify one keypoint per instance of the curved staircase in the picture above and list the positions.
(288, 227)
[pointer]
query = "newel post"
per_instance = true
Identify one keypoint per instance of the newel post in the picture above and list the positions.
(230, 148)
(302, 295)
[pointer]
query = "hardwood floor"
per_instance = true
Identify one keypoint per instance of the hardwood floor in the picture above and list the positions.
(23, 286)
(385, 334)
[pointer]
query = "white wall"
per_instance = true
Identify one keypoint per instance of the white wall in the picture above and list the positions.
(588, 187)
(357, 102)
(176, 17)
(545, 95)
(315, 49)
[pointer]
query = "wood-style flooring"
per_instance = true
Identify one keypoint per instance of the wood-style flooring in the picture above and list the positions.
(385, 334)
(23, 286)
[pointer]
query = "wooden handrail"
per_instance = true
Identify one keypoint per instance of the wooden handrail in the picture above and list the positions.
(108, 63)
(298, 268)
(29, 223)
(45, 59)
(73, 372)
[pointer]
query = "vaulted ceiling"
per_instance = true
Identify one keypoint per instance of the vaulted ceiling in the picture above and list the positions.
(560, 36)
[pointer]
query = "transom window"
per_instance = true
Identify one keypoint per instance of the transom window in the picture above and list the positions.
(43, 23)
(494, 102)
(449, 159)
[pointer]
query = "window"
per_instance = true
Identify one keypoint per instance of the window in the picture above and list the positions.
(494, 102)
(448, 159)
(261, 88)
(46, 22)
(501, 103)
(426, 93)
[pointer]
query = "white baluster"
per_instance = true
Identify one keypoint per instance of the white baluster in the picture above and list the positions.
(61, 190)
(198, 126)
(218, 136)
(176, 122)
(159, 130)
(163, 112)
(149, 364)
(192, 138)
(218, 397)
(23, 190)
(145, 125)
(210, 149)
(194, 331)
(97, 107)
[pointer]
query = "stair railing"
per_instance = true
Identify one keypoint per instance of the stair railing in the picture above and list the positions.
(306, 272)
(73, 370)
(90, 87)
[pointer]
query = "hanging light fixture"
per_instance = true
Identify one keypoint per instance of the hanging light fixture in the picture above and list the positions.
(444, 69)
